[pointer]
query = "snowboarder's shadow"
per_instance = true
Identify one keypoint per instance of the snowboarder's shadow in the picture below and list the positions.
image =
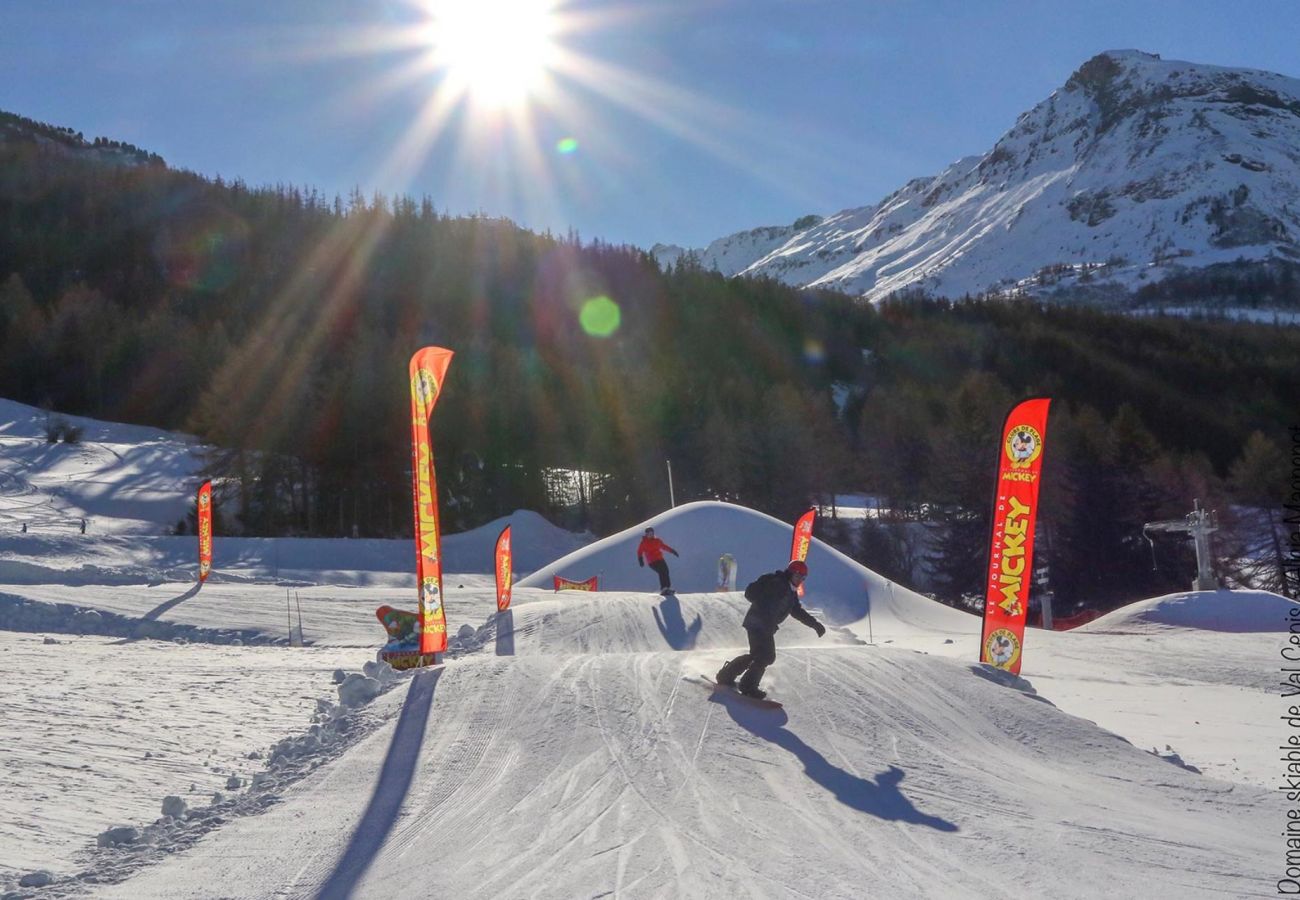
(672, 624)
(880, 797)
(394, 783)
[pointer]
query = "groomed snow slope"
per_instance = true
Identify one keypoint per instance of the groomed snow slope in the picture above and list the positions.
(568, 748)
(578, 772)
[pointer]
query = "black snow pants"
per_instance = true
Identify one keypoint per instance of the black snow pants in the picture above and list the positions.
(661, 569)
(749, 667)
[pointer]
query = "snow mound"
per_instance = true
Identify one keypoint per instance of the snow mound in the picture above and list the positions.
(536, 773)
(701, 532)
(534, 542)
(1222, 610)
(34, 616)
(580, 622)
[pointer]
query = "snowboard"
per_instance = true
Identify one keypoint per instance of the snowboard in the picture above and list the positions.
(732, 692)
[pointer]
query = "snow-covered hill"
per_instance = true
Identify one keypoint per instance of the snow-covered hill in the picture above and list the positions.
(580, 773)
(129, 485)
(1137, 166)
(569, 746)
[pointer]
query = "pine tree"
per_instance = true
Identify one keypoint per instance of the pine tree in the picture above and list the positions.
(962, 486)
(1253, 540)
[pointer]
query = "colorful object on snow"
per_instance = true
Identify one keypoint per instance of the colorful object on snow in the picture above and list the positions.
(564, 584)
(204, 505)
(503, 569)
(726, 572)
(1011, 547)
(403, 648)
(802, 540)
(428, 371)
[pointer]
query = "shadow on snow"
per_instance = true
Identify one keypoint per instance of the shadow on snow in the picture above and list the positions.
(672, 624)
(394, 782)
(880, 797)
(163, 607)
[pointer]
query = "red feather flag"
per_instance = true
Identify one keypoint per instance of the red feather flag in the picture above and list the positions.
(1011, 546)
(428, 371)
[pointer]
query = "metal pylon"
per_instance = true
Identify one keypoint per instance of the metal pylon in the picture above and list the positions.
(1200, 524)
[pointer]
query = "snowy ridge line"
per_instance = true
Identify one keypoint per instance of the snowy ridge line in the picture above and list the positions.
(1135, 169)
(30, 616)
(23, 572)
(37, 616)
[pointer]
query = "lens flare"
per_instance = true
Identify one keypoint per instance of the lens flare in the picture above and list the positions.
(204, 250)
(566, 145)
(600, 317)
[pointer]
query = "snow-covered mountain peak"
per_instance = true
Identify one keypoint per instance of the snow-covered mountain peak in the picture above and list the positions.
(1135, 167)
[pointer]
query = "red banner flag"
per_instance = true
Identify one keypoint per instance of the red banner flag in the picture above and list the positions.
(428, 371)
(1011, 548)
(204, 504)
(802, 540)
(503, 570)
(564, 584)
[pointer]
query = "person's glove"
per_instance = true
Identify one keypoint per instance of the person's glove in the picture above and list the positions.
(675, 553)
(640, 562)
(819, 628)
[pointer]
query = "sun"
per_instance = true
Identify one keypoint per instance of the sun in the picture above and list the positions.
(494, 53)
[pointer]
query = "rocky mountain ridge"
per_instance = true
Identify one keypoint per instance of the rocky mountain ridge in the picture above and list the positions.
(1136, 168)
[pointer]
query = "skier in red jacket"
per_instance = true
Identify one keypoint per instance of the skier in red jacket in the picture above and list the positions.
(652, 549)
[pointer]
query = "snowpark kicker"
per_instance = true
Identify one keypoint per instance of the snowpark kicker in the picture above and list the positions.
(581, 767)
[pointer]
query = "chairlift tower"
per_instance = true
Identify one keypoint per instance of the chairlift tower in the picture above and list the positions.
(1200, 524)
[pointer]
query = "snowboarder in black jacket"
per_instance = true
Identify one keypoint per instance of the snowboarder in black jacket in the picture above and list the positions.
(772, 597)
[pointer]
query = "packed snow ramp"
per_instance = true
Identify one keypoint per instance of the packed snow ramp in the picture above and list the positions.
(593, 761)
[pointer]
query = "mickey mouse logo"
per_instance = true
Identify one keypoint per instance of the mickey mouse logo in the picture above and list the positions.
(424, 387)
(1002, 648)
(1024, 445)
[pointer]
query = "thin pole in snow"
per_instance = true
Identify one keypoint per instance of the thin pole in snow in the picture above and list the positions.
(671, 500)
(298, 601)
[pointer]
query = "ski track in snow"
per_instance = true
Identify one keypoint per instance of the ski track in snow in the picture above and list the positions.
(568, 748)
(576, 773)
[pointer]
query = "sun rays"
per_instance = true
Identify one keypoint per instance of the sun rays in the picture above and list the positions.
(516, 96)
(494, 53)
(528, 106)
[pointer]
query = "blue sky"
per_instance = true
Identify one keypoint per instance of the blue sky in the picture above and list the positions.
(687, 119)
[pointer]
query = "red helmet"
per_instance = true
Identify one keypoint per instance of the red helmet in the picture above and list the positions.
(797, 567)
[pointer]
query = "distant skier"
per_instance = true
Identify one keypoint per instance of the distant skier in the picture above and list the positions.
(771, 598)
(651, 550)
